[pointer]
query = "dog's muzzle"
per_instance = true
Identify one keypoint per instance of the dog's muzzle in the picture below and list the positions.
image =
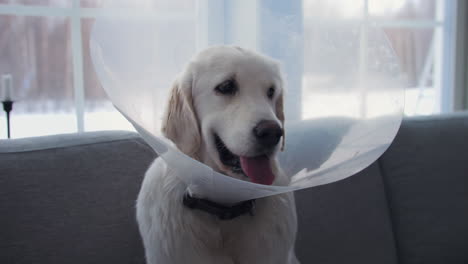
(221, 211)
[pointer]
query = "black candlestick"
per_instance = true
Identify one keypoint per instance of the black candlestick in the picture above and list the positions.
(7, 107)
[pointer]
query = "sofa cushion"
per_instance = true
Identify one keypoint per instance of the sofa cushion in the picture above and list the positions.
(426, 176)
(71, 198)
(345, 222)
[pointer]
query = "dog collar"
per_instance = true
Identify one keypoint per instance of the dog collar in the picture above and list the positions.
(221, 211)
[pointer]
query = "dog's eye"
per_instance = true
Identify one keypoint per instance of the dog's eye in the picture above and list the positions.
(271, 92)
(228, 87)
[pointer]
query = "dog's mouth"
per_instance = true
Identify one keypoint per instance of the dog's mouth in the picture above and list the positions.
(227, 157)
(257, 169)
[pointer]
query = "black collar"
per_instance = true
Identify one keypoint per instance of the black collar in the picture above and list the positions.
(221, 211)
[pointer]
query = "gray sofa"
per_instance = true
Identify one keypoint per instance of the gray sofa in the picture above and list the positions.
(70, 199)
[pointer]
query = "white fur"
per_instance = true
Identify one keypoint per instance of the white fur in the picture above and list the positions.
(173, 233)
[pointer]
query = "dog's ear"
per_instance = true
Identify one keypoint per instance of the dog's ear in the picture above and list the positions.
(280, 116)
(180, 123)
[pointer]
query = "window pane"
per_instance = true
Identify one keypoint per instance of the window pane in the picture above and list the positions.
(412, 47)
(319, 9)
(54, 3)
(326, 76)
(415, 49)
(36, 52)
(402, 9)
(175, 50)
(100, 114)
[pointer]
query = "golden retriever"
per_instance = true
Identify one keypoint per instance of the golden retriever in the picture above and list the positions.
(225, 110)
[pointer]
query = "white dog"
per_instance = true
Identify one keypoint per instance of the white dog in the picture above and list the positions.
(226, 110)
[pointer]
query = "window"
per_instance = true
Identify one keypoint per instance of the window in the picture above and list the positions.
(421, 33)
(44, 45)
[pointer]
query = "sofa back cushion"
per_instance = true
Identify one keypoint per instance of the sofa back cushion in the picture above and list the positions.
(346, 222)
(426, 176)
(71, 198)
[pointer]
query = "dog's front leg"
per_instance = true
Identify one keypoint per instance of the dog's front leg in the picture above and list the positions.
(172, 233)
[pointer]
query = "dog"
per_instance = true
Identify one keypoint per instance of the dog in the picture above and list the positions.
(225, 110)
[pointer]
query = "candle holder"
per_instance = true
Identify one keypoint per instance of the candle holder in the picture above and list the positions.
(7, 107)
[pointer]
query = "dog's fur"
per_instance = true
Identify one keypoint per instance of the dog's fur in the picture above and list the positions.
(173, 233)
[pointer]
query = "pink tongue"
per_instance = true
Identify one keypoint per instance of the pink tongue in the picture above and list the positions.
(258, 169)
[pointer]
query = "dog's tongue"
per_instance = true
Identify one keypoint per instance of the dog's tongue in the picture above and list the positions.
(258, 169)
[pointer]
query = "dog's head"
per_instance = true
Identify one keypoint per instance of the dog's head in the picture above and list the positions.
(226, 110)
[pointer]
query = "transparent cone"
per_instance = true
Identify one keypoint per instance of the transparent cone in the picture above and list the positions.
(133, 61)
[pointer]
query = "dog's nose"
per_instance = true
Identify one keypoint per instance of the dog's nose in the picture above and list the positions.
(268, 133)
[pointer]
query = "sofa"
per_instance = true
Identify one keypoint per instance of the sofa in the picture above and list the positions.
(71, 199)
